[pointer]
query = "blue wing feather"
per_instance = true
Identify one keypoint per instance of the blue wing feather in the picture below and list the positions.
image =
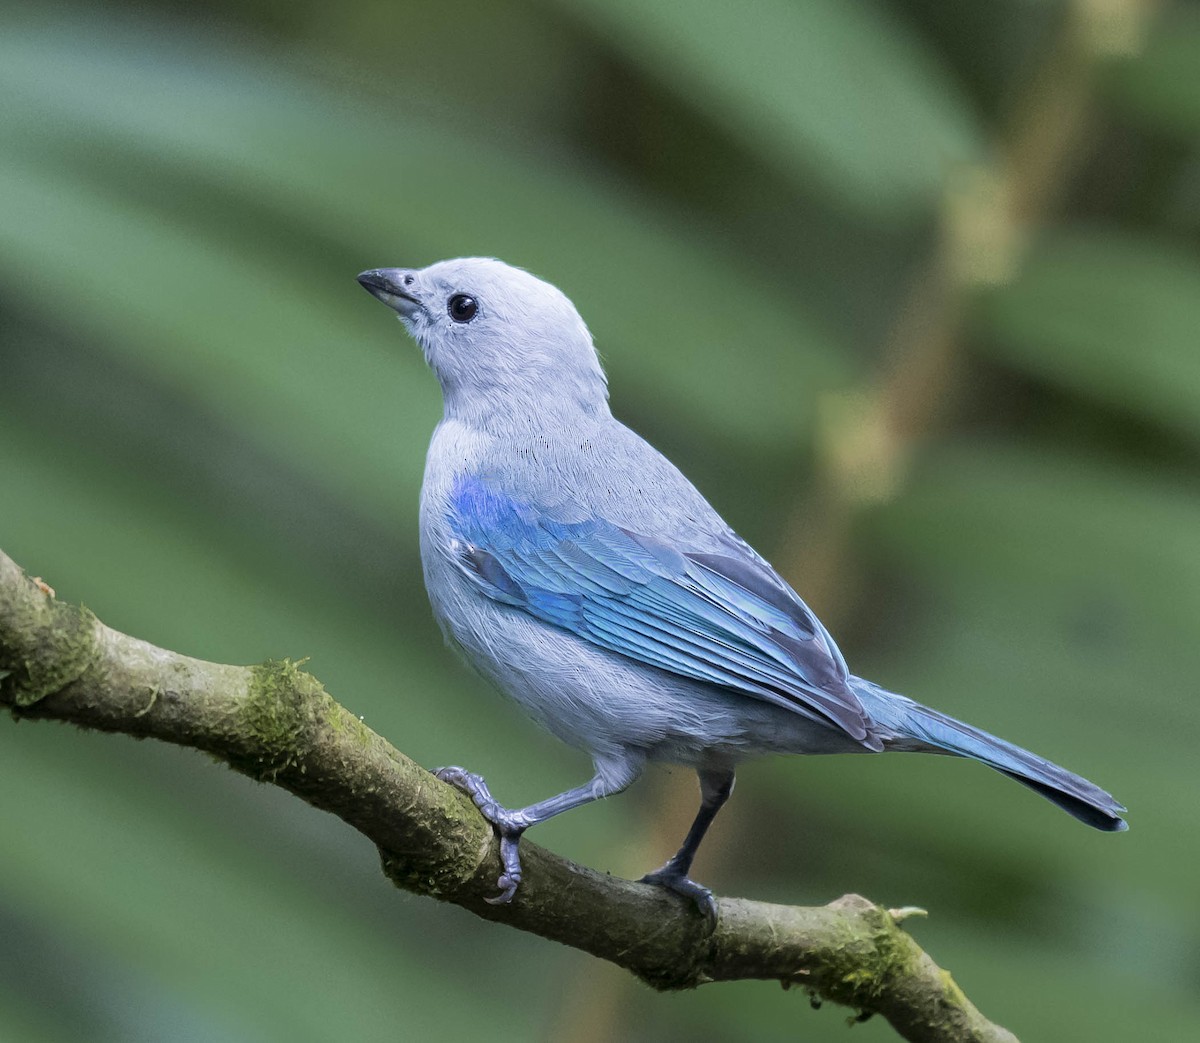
(722, 618)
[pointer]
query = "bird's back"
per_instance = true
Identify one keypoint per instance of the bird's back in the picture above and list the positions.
(597, 466)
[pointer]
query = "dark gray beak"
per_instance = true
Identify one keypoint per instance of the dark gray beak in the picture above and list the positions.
(396, 287)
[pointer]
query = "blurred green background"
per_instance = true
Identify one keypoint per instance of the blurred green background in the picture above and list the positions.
(910, 289)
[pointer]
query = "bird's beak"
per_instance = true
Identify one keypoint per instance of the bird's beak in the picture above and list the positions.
(395, 287)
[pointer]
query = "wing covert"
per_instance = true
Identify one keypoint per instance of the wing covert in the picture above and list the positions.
(723, 618)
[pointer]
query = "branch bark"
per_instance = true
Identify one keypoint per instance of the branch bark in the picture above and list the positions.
(277, 724)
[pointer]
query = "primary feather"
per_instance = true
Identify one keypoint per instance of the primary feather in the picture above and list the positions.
(723, 620)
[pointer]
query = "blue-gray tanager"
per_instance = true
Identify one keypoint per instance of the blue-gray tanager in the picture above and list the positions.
(577, 569)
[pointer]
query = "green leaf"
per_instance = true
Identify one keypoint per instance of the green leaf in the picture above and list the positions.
(1067, 593)
(840, 94)
(1160, 86)
(1109, 315)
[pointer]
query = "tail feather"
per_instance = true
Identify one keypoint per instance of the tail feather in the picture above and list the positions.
(910, 720)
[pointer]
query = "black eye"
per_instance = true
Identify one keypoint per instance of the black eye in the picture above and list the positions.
(462, 307)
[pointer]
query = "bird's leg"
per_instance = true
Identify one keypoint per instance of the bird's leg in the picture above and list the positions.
(715, 787)
(612, 776)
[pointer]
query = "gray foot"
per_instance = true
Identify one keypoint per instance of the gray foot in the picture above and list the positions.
(509, 826)
(677, 881)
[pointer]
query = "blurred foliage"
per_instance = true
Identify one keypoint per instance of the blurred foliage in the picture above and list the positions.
(210, 436)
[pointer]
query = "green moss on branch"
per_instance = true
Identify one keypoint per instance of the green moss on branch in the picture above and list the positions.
(48, 646)
(280, 714)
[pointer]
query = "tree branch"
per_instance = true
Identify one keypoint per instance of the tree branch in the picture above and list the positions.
(277, 724)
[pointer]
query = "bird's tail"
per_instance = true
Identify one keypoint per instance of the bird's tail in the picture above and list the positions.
(935, 731)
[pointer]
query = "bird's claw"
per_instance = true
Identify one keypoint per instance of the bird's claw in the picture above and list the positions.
(508, 824)
(674, 880)
(470, 783)
(508, 885)
(510, 879)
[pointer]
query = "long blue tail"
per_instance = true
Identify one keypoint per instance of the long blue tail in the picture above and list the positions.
(910, 720)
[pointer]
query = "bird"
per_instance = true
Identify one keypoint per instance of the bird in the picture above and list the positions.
(578, 570)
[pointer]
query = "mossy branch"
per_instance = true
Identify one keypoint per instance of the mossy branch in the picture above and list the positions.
(277, 724)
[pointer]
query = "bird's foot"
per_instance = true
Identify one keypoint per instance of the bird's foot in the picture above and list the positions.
(508, 824)
(677, 880)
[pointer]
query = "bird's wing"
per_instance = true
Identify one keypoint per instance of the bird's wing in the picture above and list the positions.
(724, 618)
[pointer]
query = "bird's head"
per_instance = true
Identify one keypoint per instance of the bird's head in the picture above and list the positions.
(498, 338)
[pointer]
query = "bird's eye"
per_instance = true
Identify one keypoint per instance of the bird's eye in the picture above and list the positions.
(462, 307)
